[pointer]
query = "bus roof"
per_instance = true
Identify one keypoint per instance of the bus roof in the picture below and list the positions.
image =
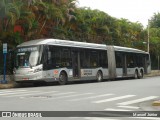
(67, 43)
(127, 49)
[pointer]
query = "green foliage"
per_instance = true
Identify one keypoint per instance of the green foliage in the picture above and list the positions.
(154, 31)
(155, 21)
(62, 19)
(17, 38)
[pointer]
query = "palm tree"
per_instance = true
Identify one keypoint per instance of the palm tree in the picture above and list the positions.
(10, 12)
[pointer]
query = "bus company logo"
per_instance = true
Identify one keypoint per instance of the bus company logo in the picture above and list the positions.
(6, 114)
(55, 71)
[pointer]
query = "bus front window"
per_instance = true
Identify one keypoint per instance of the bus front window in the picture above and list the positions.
(33, 58)
(27, 57)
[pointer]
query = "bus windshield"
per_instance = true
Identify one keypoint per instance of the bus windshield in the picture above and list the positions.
(27, 57)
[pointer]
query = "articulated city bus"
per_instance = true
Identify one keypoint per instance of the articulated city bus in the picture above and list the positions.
(61, 60)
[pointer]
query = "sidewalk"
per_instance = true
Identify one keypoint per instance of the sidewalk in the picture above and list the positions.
(153, 73)
(10, 82)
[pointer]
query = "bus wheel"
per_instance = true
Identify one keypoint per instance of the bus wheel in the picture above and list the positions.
(99, 76)
(140, 74)
(136, 74)
(62, 78)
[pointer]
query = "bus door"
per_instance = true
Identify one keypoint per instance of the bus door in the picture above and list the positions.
(121, 69)
(130, 59)
(76, 63)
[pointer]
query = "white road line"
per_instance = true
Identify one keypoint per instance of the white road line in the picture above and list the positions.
(4, 94)
(75, 117)
(138, 100)
(9, 91)
(111, 109)
(146, 118)
(130, 107)
(22, 94)
(104, 95)
(3, 90)
(113, 99)
(99, 118)
(39, 92)
(70, 96)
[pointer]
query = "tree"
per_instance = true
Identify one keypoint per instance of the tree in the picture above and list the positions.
(10, 12)
(155, 21)
(154, 33)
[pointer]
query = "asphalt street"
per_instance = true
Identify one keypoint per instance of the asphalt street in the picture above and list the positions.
(107, 97)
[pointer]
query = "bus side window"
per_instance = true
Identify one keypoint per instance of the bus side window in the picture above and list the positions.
(130, 60)
(66, 57)
(56, 57)
(85, 58)
(94, 59)
(103, 59)
(118, 59)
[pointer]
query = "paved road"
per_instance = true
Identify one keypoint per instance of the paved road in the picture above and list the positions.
(119, 95)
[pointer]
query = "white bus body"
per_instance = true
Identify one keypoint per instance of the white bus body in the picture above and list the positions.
(61, 60)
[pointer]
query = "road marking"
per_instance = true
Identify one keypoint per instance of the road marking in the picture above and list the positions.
(17, 89)
(71, 96)
(99, 118)
(16, 93)
(113, 99)
(146, 118)
(104, 95)
(9, 91)
(39, 92)
(138, 100)
(22, 94)
(130, 107)
(111, 109)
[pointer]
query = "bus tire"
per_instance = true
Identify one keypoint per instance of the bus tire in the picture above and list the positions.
(62, 78)
(99, 76)
(140, 74)
(136, 74)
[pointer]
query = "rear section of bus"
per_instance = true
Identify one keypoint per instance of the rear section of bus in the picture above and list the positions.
(128, 62)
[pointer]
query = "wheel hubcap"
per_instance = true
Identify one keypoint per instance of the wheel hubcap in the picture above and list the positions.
(61, 78)
(99, 76)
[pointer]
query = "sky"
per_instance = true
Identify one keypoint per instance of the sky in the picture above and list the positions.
(133, 10)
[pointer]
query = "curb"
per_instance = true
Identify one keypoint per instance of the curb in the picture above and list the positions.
(153, 73)
(7, 86)
(156, 103)
(10, 82)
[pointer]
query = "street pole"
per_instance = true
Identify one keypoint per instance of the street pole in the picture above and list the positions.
(148, 37)
(4, 68)
(4, 81)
